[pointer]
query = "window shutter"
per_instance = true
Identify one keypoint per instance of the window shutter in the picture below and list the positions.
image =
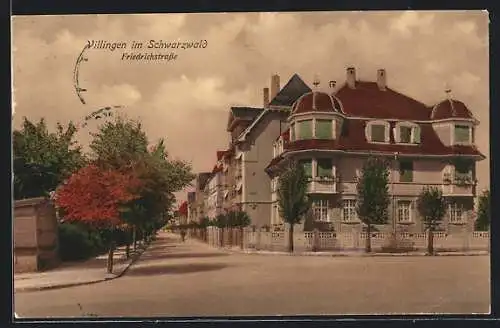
(387, 130)
(416, 134)
(395, 132)
(368, 132)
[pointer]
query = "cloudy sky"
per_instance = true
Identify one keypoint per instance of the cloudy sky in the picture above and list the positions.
(186, 100)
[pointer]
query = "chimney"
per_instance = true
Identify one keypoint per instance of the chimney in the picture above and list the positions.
(265, 93)
(275, 86)
(381, 79)
(351, 77)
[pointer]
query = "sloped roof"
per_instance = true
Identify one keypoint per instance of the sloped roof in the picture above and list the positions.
(294, 88)
(242, 114)
(450, 108)
(316, 102)
(367, 100)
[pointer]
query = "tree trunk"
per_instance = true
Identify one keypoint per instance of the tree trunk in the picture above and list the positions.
(241, 237)
(430, 242)
(110, 256)
(134, 237)
(368, 238)
(290, 238)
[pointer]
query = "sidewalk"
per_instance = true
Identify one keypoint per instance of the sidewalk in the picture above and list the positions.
(70, 274)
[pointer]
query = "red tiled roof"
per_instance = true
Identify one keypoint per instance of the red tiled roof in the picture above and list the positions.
(450, 108)
(367, 100)
(183, 208)
(322, 102)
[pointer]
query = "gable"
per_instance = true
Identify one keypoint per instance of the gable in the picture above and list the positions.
(294, 88)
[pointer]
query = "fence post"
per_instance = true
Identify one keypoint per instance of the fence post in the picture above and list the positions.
(257, 241)
(315, 245)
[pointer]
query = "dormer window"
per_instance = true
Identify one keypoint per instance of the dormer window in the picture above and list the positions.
(463, 134)
(377, 131)
(305, 129)
(292, 132)
(407, 133)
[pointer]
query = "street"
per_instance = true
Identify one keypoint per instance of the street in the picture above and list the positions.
(192, 279)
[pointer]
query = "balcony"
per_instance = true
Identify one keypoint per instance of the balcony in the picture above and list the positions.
(323, 185)
(458, 185)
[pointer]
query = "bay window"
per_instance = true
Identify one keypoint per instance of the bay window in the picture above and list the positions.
(305, 129)
(324, 129)
(324, 168)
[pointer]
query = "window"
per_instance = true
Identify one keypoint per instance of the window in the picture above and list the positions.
(307, 165)
(305, 129)
(324, 167)
(456, 212)
(462, 134)
(324, 129)
(349, 210)
(404, 211)
(378, 133)
(292, 132)
(405, 171)
(320, 210)
(405, 134)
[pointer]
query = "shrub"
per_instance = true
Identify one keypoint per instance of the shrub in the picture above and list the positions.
(76, 242)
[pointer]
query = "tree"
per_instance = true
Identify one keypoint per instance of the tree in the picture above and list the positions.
(123, 145)
(204, 223)
(373, 195)
(483, 215)
(432, 207)
(221, 222)
(94, 196)
(293, 200)
(43, 159)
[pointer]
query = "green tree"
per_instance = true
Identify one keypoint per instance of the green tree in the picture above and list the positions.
(432, 207)
(293, 200)
(43, 159)
(204, 223)
(221, 222)
(373, 195)
(122, 144)
(483, 213)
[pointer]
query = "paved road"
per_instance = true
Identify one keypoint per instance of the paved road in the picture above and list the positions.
(191, 279)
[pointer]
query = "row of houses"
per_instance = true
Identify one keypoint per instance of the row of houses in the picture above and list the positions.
(331, 130)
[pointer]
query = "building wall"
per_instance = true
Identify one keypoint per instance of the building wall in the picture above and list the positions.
(426, 172)
(35, 235)
(258, 154)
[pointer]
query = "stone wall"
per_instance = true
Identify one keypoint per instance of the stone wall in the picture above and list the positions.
(35, 232)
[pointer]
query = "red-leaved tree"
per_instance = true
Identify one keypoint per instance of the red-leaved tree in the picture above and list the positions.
(94, 196)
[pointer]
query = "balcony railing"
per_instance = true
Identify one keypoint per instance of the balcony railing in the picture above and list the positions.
(323, 185)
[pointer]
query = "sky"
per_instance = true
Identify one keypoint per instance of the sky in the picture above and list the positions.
(186, 100)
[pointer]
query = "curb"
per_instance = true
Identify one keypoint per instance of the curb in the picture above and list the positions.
(109, 276)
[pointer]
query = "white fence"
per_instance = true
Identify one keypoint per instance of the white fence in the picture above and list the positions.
(345, 241)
